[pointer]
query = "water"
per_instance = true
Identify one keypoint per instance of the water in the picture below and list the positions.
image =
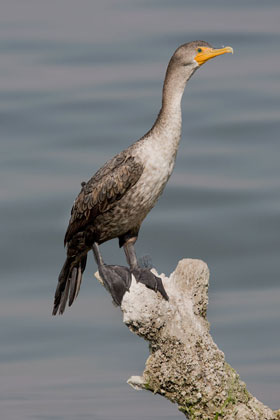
(79, 82)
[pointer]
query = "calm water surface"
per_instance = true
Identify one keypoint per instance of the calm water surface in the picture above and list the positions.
(79, 82)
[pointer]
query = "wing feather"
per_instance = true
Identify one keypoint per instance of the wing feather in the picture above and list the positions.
(99, 194)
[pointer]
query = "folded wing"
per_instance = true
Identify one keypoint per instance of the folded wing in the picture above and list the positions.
(102, 191)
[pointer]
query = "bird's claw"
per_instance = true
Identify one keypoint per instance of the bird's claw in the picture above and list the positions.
(146, 277)
(117, 280)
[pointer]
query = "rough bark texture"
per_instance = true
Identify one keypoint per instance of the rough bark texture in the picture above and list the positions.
(185, 365)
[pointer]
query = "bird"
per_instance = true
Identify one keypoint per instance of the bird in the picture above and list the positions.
(118, 197)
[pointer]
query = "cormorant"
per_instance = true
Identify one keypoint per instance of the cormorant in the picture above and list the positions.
(116, 200)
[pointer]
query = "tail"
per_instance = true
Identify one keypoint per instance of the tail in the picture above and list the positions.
(69, 283)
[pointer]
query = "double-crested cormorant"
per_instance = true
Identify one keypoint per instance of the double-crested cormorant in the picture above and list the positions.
(115, 201)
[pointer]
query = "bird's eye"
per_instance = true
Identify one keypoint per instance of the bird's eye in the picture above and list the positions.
(199, 50)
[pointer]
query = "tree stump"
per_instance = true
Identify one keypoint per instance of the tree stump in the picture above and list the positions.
(185, 365)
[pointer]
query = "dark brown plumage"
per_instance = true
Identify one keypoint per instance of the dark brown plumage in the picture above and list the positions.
(100, 193)
(115, 201)
(97, 197)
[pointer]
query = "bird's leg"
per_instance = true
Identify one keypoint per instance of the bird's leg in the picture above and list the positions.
(116, 279)
(142, 275)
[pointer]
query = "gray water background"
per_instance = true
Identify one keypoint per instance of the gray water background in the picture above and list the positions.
(80, 81)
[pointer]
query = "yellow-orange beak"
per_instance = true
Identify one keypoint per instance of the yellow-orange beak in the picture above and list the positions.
(206, 53)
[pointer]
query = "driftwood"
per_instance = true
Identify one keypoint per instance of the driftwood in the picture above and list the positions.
(185, 365)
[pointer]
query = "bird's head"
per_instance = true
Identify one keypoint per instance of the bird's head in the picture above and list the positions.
(196, 53)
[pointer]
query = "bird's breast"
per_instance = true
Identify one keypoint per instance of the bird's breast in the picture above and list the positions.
(158, 160)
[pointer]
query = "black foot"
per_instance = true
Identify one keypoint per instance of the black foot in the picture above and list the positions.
(145, 276)
(117, 280)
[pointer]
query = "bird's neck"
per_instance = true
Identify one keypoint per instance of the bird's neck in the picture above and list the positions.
(170, 119)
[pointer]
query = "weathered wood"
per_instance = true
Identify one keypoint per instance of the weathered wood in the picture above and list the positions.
(185, 365)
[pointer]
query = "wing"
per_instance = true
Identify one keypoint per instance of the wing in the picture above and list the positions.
(99, 194)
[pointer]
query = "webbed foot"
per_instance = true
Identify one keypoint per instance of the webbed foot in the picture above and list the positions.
(146, 277)
(117, 280)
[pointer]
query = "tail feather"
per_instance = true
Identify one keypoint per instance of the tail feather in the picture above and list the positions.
(69, 283)
(64, 298)
(72, 284)
(75, 279)
(78, 283)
